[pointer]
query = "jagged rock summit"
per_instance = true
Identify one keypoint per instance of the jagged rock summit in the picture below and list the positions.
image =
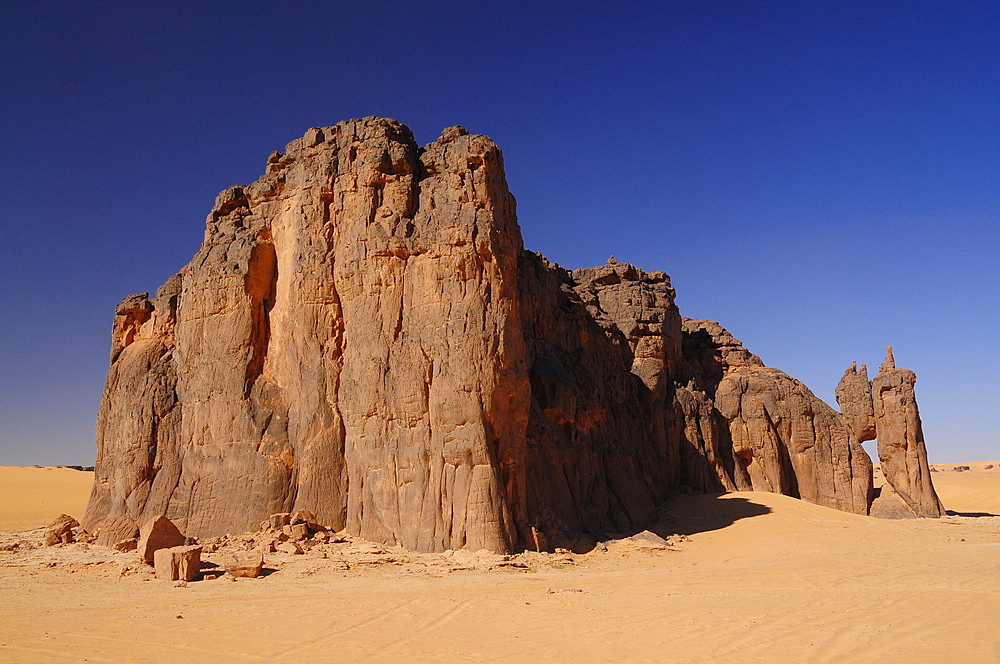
(886, 408)
(363, 335)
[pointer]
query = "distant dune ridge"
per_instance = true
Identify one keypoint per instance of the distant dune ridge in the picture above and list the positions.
(362, 334)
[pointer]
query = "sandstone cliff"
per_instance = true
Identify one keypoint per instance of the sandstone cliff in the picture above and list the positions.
(363, 335)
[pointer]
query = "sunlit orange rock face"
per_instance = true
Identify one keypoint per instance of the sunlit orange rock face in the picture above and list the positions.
(363, 335)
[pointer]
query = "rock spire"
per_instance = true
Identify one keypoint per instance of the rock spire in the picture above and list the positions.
(900, 435)
(886, 408)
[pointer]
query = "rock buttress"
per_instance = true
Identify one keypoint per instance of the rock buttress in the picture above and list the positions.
(347, 339)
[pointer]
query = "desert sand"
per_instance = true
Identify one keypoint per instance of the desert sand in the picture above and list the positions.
(32, 497)
(759, 578)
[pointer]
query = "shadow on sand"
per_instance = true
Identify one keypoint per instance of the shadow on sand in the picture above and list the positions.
(688, 515)
(973, 514)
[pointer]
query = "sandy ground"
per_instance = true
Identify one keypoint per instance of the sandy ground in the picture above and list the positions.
(760, 578)
(32, 497)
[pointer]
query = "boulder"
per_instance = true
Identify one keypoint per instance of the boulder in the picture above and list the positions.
(130, 544)
(650, 540)
(60, 531)
(901, 447)
(245, 564)
(304, 516)
(889, 505)
(278, 521)
(288, 547)
(177, 563)
(158, 533)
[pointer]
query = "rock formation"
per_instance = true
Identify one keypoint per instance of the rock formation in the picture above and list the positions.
(900, 437)
(782, 438)
(886, 408)
(178, 563)
(854, 395)
(363, 335)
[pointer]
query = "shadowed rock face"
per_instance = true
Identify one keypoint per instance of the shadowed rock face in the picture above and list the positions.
(363, 335)
(775, 435)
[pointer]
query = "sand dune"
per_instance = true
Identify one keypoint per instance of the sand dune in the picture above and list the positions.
(763, 578)
(32, 497)
(970, 492)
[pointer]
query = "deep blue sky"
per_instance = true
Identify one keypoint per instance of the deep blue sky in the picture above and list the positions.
(823, 178)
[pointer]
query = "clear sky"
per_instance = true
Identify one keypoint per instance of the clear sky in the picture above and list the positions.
(823, 178)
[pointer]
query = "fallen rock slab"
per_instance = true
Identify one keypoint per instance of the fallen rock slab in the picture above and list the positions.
(158, 533)
(245, 564)
(177, 563)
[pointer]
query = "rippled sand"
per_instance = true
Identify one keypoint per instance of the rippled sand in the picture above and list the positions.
(764, 578)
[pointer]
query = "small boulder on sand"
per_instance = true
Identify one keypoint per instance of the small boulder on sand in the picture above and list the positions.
(288, 547)
(60, 531)
(246, 564)
(650, 540)
(177, 563)
(130, 544)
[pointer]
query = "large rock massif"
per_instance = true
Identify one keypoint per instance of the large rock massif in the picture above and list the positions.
(363, 335)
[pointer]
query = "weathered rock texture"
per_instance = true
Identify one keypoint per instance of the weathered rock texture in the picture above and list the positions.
(900, 436)
(854, 396)
(886, 408)
(780, 436)
(178, 563)
(363, 335)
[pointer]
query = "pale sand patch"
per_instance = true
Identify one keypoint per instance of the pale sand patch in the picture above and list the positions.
(973, 491)
(765, 578)
(32, 497)
(969, 492)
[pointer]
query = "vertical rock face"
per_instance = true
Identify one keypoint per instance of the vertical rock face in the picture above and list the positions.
(854, 396)
(347, 339)
(363, 335)
(600, 344)
(901, 447)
